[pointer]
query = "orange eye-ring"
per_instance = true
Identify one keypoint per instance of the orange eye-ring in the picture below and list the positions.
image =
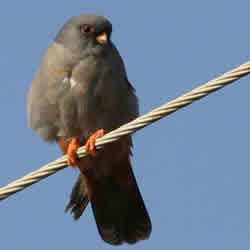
(87, 28)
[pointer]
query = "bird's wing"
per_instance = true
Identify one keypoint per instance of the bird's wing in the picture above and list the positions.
(48, 86)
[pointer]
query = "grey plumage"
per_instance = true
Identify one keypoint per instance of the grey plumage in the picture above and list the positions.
(81, 86)
(56, 108)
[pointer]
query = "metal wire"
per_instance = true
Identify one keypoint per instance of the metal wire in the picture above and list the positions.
(130, 128)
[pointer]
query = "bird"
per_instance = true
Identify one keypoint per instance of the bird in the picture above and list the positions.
(79, 93)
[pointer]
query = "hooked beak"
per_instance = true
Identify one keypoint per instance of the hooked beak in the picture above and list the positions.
(102, 38)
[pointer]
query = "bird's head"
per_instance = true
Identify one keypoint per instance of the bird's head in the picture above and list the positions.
(85, 31)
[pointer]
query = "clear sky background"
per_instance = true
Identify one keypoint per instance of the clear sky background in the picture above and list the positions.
(192, 167)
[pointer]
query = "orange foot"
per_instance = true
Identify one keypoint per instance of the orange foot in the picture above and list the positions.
(71, 152)
(90, 144)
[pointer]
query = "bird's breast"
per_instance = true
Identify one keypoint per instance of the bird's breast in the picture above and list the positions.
(98, 98)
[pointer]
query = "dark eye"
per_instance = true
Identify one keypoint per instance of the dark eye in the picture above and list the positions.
(87, 29)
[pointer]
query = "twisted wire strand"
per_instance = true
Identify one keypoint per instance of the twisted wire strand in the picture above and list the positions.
(130, 128)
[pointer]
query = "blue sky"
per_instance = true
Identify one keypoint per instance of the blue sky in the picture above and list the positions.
(192, 167)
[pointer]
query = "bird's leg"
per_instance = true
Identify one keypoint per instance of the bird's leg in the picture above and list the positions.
(90, 144)
(71, 151)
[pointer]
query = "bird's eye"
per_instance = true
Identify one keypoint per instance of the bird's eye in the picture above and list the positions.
(87, 29)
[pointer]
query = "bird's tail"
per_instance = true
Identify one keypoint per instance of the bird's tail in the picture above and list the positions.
(78, 199)
(118, 207)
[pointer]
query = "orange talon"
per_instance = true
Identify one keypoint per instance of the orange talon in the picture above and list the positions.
(90, 144)
(71, 152)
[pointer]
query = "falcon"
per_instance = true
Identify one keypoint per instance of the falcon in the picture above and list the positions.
(80, 92)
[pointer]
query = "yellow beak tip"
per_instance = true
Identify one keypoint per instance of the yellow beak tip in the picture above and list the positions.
(102, 38)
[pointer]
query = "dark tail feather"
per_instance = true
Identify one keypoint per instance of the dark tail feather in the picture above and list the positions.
(78, 199)
(118, 207)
